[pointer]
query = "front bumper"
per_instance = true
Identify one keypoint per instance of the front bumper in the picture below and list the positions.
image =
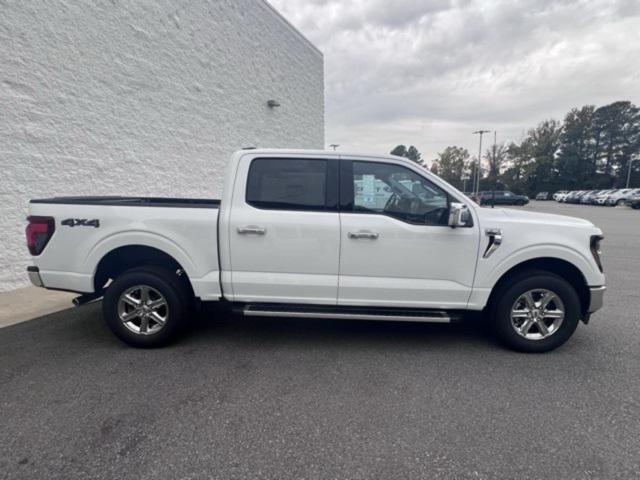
(34, 276)
(597, 298)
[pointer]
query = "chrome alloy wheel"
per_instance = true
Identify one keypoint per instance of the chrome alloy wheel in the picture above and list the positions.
(537, 314)
(143, 309)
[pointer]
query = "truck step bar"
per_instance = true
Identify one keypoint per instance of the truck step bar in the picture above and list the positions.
(348, 313)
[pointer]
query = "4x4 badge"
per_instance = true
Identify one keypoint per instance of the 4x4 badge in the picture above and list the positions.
(81, 222)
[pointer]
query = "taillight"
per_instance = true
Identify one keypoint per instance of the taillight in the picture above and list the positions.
(39, 231)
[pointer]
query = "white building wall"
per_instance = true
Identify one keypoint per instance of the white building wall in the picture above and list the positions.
(142, 98)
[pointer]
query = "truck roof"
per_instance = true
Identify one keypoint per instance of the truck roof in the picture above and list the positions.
(324, 153)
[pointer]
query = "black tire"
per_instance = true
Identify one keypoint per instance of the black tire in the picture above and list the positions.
(505, 298)
(166, 282)
(620, 202)
(520, 203)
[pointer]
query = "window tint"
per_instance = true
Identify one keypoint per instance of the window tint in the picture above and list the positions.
(287, 184)
(398, 192)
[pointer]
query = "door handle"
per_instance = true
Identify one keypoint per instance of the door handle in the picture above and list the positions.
(368, 235)
(251, 229)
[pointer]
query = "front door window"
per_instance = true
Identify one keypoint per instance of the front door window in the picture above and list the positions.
(398, 192)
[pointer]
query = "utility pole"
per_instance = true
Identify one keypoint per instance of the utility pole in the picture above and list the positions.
(494, 155)
(478, 170)
(495, 146)
(631, 160)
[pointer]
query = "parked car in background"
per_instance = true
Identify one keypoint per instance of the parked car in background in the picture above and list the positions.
(502, 197)
(542, 196)
(634, 200)
(586, 198)
(620, 197)
(560, 195)
(600, 198)
(574, 197)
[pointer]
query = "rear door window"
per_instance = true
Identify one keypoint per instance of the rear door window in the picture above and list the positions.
(287, 184)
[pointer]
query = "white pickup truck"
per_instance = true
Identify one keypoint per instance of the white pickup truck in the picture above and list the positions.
(320, 234)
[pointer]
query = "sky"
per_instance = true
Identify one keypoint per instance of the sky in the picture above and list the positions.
(430, 72)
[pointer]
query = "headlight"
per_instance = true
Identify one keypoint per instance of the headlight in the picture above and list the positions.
(595, 250)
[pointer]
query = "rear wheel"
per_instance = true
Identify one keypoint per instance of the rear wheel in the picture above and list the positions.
(536, 312)
(147, 306)
(620, 202)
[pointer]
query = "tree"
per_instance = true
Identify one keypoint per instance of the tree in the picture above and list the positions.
(411, 153)
(545, 143)
(616, 130)
(496, 156)
(451, 164)
(518, 156)
(400, 151)
(414, 154)
(591, 149)
(532, 161)
(576, 165)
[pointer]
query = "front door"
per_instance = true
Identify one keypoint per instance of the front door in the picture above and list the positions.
(284, 231)
(397, 249)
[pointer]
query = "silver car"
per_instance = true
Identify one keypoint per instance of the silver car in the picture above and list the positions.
(601, 197)
(620, 197)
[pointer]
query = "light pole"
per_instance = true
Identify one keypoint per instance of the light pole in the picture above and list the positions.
(334, 146)
(631, 160)
(477, 185)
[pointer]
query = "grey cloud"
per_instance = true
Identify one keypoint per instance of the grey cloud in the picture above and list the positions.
(400, 13)
(410, 71)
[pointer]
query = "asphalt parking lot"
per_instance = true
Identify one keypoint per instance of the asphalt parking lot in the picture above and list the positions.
(276, 399)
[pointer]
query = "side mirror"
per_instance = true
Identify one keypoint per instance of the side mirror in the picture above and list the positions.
(459, 215)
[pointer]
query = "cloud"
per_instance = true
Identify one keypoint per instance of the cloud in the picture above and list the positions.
(428, 73)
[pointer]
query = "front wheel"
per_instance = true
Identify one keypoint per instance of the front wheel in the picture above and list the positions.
(537, 312)
(146, 307)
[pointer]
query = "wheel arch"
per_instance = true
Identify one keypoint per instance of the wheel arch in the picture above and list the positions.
(557, 266)
(126, 257)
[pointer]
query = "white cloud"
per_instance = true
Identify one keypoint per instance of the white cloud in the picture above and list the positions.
(428, 73)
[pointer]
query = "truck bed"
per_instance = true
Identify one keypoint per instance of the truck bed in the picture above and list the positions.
(133, 201)
(89, 228)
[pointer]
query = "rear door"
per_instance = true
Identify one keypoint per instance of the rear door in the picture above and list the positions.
(397, 249)
(284, 230)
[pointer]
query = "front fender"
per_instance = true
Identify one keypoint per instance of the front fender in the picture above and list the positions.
(491, 270)
(582, 261)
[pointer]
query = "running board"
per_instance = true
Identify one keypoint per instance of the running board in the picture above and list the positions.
(348, 313)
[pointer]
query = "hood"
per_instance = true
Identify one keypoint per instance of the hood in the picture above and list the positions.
(530, 217)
